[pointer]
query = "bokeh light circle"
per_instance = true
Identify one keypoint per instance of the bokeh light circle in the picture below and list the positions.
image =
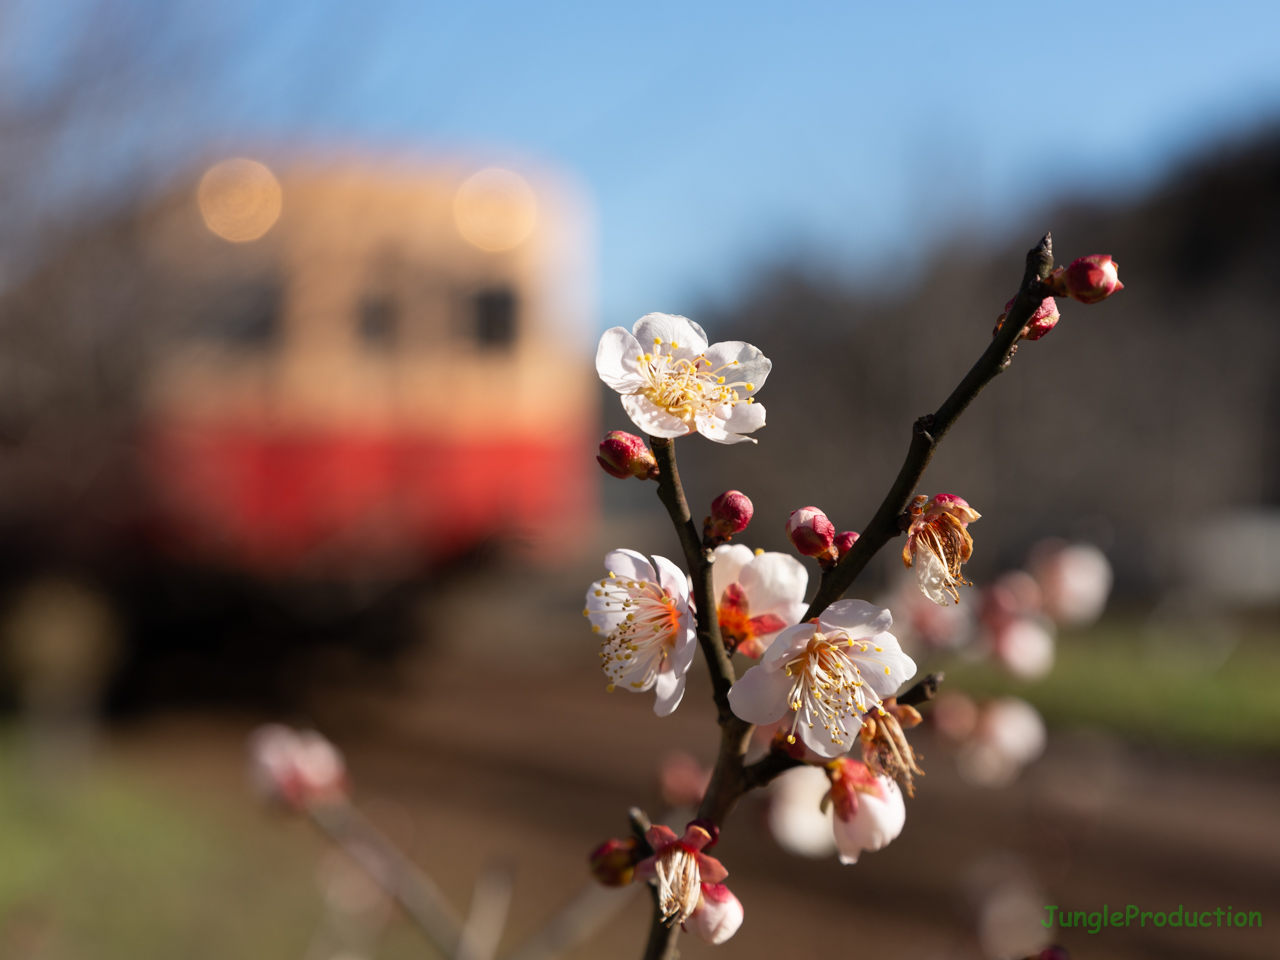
(495, 210)
(240, 199)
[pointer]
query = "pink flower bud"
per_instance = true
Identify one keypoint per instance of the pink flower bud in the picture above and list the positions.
(1090, 279)
(1042, 321)
(730, 513)
(811, 532)
(844, 542)
(296, 768)
(718, 916)
(613, 863)
(625, 455)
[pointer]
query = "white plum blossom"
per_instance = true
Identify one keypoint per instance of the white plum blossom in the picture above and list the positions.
(718, 916)
(1009, 734)
(673, 383)
(296, 768)
(869, 811)
(758, 595)
(829, 673)
(1025, 648)
(798, 818)
(1075, 578)
(646, 620)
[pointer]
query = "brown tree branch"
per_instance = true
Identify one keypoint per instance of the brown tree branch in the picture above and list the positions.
(931, 428)
(698, 559)
(731, 779)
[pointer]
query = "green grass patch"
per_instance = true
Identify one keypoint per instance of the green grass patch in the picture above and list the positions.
(1168, 687)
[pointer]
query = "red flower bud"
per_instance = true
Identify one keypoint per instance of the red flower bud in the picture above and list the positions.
(844, 542)
(613, 863)
(730, 513)
(625, 455)
(811, 532)
(1041, 322)
(1090, 279)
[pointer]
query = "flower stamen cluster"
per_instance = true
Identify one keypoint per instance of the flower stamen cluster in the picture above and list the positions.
(938, 542)
(885, 748)
(828, 687)
(687, 387)
(642, 610)
(679, 868)
(639, 646)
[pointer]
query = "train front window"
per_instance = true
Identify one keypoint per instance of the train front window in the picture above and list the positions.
(494, 315)
(243, 315)
(377, 322)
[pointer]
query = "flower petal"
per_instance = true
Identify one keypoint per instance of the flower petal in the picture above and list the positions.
(730, 559)
(819, 740)
(745, 418)
(652, 419)
(630, 565)
(672, 579)
(752, 366)
(857, 618)
(877, 822)
(932, 576)
(774, 581)
(617, 360)
(670, 691)
(789, 643)
(711, 869)
(885, 670)
(713, 428)
(671, 328)
(760, 695)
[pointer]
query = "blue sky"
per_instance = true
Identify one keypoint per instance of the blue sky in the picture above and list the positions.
(716, 136)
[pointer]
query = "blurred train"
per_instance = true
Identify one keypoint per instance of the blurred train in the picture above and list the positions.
(270, 408)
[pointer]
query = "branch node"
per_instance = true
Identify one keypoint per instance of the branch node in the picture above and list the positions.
(924, 690)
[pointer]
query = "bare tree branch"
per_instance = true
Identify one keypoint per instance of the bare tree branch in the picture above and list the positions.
(931, 428)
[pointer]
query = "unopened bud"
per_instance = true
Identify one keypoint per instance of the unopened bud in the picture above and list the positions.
(625, 455)
(811, 532)
(1041, 322)
(1090, 279)
(613, 863)
(844, 542)
(730, 513)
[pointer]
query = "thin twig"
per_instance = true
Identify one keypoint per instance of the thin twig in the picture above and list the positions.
(416, 893)
(731, 779)
(929, 430)
(490, 903)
